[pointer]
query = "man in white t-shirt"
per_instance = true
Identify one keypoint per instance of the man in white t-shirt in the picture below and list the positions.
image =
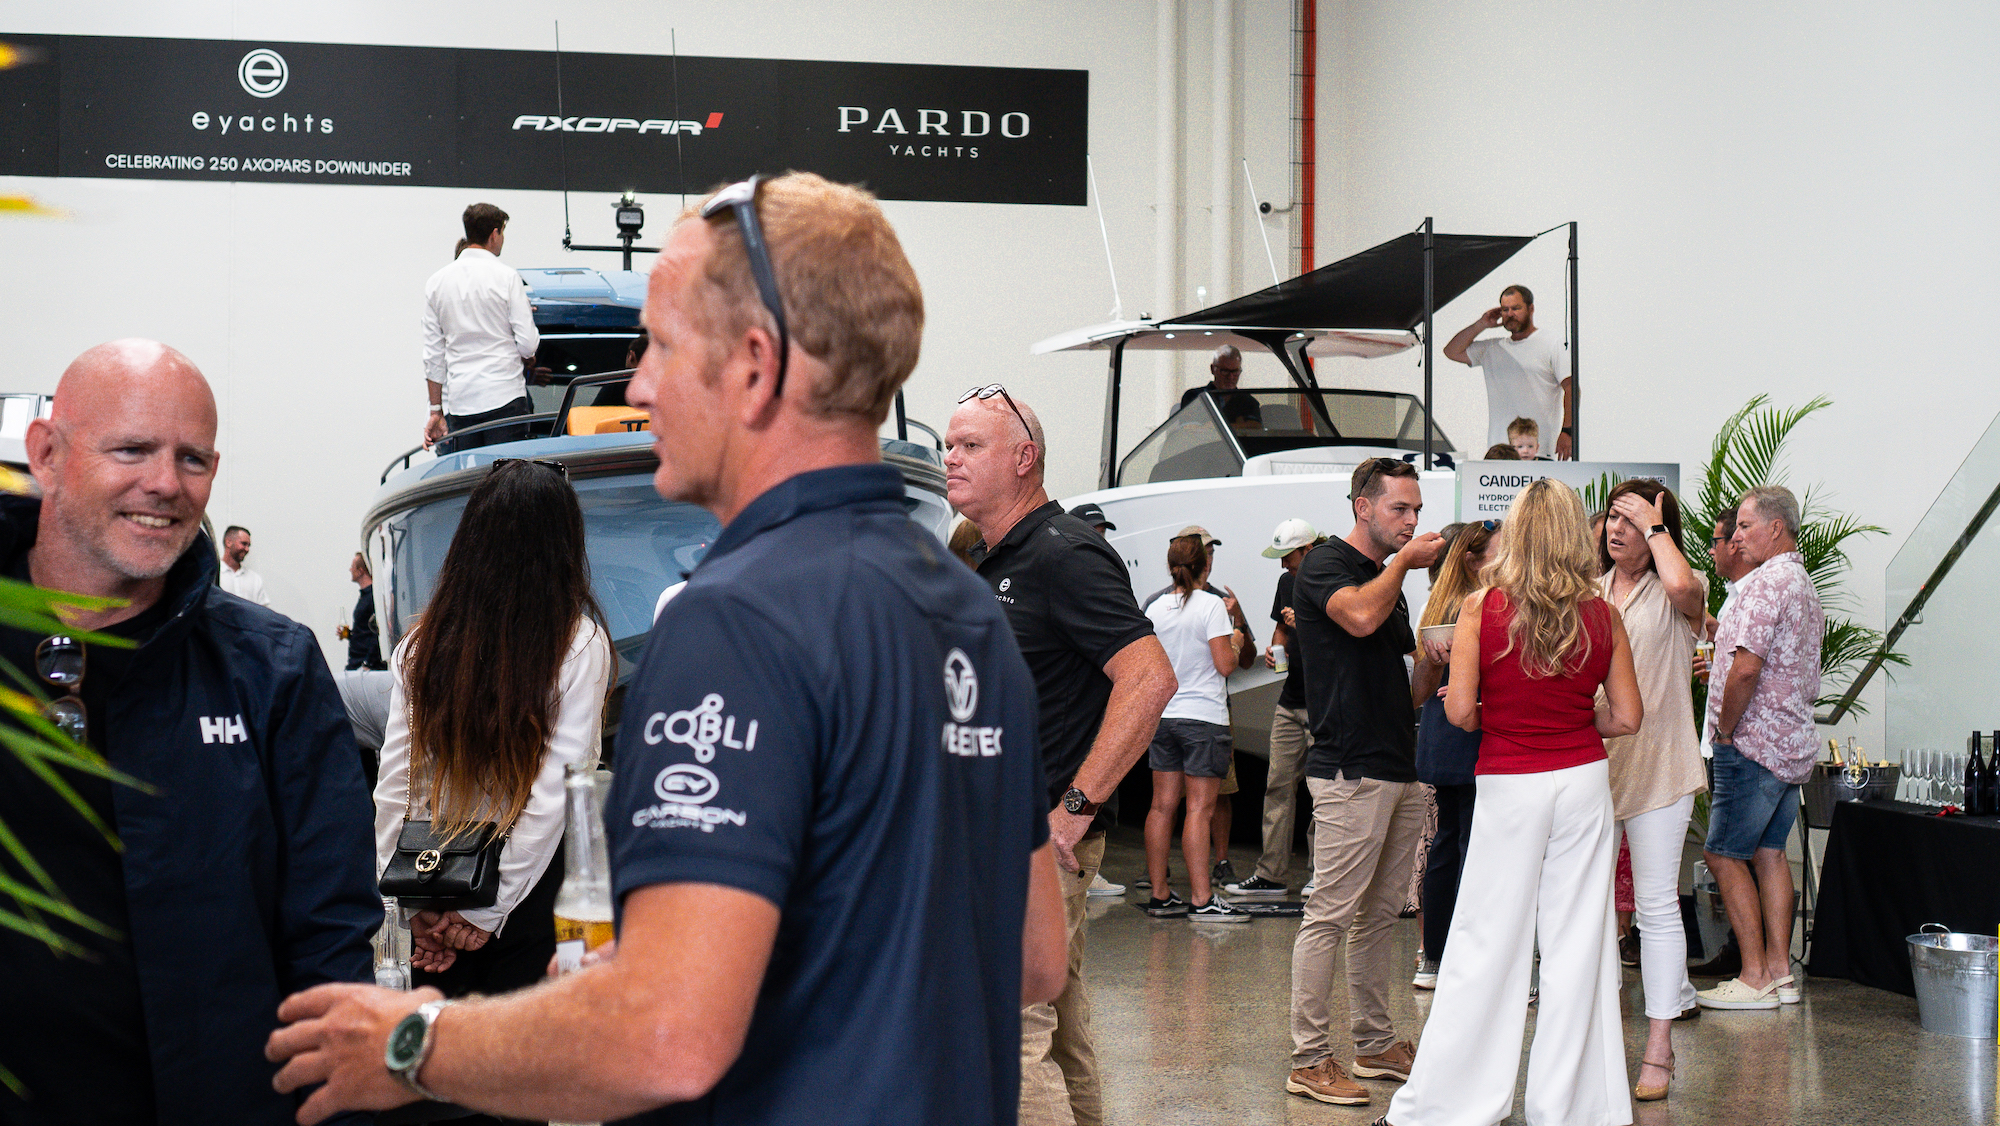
(235, 578)
(1525, 370)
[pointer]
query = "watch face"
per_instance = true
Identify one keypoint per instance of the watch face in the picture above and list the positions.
(1074, 801)
(405, 1041)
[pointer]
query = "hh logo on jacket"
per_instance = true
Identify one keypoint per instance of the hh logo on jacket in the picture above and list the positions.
(223, 729)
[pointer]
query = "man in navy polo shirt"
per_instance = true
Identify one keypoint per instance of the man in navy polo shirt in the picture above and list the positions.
(1102, 680)
(828, 842)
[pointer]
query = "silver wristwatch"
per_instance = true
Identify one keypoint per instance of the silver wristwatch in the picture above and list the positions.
(409, 1047)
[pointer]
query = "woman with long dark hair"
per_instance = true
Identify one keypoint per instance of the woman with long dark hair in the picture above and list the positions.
(498, 688)
(1191, 748)
(1530, 651)
(1446, 754)
(1656, 773)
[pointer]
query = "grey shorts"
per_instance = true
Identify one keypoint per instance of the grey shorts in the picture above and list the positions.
(1193, 747)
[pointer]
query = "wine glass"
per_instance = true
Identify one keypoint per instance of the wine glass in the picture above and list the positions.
(1929, 777)
(1954, 779)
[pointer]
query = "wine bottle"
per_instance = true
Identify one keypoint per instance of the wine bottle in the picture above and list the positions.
(1974, 801)
(1991, 781)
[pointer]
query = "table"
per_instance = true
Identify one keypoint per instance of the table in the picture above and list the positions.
(1890, 868)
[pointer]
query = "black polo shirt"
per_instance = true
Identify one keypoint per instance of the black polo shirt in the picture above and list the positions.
(1357, 690)
(1069, 599)
(834, 716)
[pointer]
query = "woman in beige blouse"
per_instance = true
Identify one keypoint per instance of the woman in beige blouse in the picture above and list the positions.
(1656, 772)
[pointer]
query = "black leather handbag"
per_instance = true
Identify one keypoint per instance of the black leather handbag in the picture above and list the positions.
(428, 873)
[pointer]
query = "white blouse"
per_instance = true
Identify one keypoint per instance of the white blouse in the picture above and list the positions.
(585, 677)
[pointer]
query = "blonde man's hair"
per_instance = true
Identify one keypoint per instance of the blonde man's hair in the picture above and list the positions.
(1524, 426)
(851, 299)
(1547, 567)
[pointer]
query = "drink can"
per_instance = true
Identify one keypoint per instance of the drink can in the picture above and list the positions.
(1280, 661)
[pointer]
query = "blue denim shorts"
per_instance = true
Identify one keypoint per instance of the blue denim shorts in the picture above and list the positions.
(1749, 807)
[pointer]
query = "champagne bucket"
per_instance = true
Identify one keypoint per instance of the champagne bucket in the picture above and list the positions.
(1830, 784)
(1958, 982)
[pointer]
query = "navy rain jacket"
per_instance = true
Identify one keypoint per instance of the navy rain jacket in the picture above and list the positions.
(250, 872)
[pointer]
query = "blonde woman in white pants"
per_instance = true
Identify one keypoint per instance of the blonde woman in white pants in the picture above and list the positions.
(1656, 773)
(1527, 659)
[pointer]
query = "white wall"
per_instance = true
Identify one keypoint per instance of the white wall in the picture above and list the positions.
(1787, 197)
(300, 302)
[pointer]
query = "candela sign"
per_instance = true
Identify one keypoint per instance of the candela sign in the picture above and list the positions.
(1486, 489)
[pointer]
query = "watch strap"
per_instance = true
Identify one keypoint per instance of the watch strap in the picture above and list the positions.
(407, 1076)
(1089, 809)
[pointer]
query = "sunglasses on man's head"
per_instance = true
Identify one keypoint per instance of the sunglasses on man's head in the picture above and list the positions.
(992, 389)
(1376, 467)
(740, 199)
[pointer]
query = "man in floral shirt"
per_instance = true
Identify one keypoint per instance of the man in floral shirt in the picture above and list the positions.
(1760, 720)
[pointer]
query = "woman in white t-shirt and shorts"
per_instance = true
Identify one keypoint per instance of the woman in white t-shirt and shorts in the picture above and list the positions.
(1190, 751)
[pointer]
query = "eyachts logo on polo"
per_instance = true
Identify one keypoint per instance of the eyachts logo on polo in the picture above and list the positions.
(961, 689)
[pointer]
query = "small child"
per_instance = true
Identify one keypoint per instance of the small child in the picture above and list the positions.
(1526, 438)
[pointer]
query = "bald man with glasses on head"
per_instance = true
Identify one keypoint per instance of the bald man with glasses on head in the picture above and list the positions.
(1101, 677)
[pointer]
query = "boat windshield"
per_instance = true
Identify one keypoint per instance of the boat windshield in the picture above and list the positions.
(1217, 431)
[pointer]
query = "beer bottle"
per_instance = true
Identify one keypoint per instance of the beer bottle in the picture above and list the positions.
(583, 907)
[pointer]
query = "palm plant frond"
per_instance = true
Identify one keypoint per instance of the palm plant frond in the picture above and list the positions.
(1748, 451)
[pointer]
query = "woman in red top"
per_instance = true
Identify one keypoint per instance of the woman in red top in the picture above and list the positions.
(1529, 654)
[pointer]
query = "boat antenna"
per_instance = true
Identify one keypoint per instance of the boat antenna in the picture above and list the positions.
(680, 166)
(1117, 303)
(1255, 217)
(562, 146)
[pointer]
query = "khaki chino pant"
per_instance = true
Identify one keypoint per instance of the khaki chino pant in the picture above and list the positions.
(1058, 1061)
(1289, 739)
(1365, 835)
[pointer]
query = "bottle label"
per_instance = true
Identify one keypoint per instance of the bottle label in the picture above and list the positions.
(569, 955)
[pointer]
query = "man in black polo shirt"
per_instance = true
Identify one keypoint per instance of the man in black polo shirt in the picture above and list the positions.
(1102, 680)
(1368, 811)
(829, 853)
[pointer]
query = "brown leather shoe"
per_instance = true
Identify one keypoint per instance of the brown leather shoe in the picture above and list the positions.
(1392, 1064)
(1327, 1081)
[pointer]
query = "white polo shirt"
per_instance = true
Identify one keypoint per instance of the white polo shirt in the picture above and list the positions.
(477, 330)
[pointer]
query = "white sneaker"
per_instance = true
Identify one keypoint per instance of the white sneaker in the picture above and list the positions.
(1788, 990)
(1101, 888)
(1427, 976)
(1306, 892)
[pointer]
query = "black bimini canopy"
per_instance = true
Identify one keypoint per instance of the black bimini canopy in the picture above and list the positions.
(1380, 288)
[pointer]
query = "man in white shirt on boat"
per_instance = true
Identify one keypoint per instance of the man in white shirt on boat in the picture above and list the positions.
(1525, 371)
(479, 337)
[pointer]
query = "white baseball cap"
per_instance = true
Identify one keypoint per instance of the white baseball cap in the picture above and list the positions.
(1291, 535)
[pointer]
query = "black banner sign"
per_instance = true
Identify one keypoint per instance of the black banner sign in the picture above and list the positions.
(326, 113)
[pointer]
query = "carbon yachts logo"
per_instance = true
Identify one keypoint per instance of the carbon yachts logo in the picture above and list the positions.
(543, 123)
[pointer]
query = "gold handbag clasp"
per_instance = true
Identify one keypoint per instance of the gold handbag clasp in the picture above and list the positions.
(428, 860)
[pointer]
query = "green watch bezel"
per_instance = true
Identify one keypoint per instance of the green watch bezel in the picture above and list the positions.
(406, 1042)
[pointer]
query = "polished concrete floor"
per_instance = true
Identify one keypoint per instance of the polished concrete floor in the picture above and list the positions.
(1193, 1026)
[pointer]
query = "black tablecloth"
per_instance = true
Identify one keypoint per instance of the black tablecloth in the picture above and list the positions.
(1890, 868)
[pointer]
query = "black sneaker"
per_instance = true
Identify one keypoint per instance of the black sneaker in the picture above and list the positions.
(1223, 874)
(1218, 910)
(1256, 887)
(1172, 907)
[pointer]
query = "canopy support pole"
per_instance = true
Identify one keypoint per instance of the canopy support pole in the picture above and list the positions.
(1575, 384)
(1430, 282)
(1107, 464)
(902, 420)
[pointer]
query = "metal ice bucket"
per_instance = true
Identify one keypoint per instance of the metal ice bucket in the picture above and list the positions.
(1958, 981)
(1830, 784)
